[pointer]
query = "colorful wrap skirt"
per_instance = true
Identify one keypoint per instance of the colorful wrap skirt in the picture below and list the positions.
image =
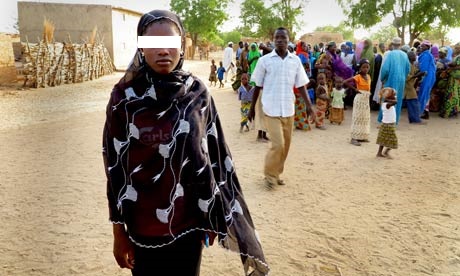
(361, 116)
(387, 136)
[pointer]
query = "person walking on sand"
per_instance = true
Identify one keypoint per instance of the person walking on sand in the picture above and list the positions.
(171, 183)
(278, 72)
(245, 93)
(228, 59)
(387, 138)
(220, 74)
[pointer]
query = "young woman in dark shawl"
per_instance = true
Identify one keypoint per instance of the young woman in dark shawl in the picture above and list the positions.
(171, 183)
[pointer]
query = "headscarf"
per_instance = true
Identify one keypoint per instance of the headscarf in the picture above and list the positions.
(339, 68)
(426, 43)
(368, 53)
(253, 56)
(435, 51)
(349, 47)
(405, 48)
(386, 92)
(137, 67)
(299, 50)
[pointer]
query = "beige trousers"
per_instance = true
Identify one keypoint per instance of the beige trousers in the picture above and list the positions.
(280, 132)
(259, 119)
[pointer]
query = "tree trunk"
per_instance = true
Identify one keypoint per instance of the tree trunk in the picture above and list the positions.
(194, 43)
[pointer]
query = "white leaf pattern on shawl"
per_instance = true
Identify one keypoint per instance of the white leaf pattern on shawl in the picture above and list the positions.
(213, 130)
(129, 93)
(185, 162)
(179, 191)
(133, 131)
(130, 194)
(138, 168)
(188, 83)
(201, 170)
(204, 204)
(163, 214)
(204, 145)
(236, 208)
(151, 92)
(156, 177)
(117, 144)
(184, 127)
(164, 149)
(228, 164)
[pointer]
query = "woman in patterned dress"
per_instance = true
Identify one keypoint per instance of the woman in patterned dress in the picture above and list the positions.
(361, 116)
(171, 183)
(451, 103)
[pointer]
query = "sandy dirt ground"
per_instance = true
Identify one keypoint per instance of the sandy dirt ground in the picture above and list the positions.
(343, 212)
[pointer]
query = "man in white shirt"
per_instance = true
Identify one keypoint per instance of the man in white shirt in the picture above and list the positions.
(278, 73)
(227, 62)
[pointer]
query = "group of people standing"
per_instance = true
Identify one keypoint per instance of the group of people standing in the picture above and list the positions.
(357, 75)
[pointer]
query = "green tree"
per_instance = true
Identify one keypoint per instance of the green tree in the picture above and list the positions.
(437, 33)
(263, 20)
(289, 11)
(346, 31)
(200, 17)
(409, 16)
(233, 36)
(384, 34)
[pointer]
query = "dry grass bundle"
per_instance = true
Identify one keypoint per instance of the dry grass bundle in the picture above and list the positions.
(48, 31)
(92, 39)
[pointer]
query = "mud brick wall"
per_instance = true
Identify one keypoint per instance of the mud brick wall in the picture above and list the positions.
(7, 67)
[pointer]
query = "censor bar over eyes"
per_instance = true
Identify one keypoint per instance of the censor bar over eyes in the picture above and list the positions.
(159, 41)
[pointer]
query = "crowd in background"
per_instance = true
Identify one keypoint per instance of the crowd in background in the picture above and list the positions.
(428, 76)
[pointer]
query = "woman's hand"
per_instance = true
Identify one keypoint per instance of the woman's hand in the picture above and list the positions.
(123, 248)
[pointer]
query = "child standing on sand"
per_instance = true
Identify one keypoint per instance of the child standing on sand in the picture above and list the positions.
(245, 93)
(387, 132)
(322, 101)
(212, 75)
(220, 74)
(337, 95)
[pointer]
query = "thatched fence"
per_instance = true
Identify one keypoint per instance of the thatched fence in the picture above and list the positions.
(51, 64)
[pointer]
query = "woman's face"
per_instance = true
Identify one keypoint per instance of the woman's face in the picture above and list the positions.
(162, 60)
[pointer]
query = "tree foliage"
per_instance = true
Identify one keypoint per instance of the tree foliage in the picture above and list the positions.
(233, 36)
(200, 17)
(384, 34)
(346, 31)
(263, 20)
(409, 16)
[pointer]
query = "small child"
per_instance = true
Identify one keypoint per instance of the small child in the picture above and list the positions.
(212, 75)
(322, 101)
(220, 74)
(245, 93)
(387, 132)
(338, 94)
